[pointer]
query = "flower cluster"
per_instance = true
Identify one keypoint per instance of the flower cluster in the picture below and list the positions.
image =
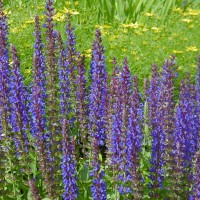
(135, 145)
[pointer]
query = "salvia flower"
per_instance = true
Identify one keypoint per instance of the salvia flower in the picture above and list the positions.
(19, 112)
(185, 138)
(69, 173)
(112, 92)
(98, 93)
(97, 115)
(52, 100)
(51, 74)
(126, 92)
(196, 187)
(4, 71)
(161, 123)
(71, 50)
(197, 88)
(134, 144)
(39, 87)
(98, 187)
(116, 146)
(64, 83)
(37, 109)
(82, 103)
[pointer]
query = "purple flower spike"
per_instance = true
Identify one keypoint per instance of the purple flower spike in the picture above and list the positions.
(185, 140)
(111, 100)
(71, 50)
(125, 93)
(98, 187)
(4, 73)
(161, 109)
(51, 75)
(134, 144)
(38, 96)
(98, 93)
(197, 88)
(65, 84)
(81, 102)
(120, 117)
(97, 115)
(39, 127)
(69, 173)
(117, 145)
(19, 112)
(196, 188)
(5, 133)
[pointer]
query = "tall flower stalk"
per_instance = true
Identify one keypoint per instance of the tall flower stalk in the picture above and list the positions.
(52, 105)
(52, 100)
(185, 140)
(112, 93)
(4, 94)
(82, 104)
(161, 108)
(134, 144)
(195, 194)
(38, 123)
(71, 52)
(19, 112)
(97, 115)
(69, 169)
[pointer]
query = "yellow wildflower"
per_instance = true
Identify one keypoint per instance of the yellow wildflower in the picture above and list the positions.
(72, 12)
(67, 3)
(7, 12)
(178, 10)
(124, 50)
(87, 55)
(144, 29)
(15, 30)
(76, 3)
(192, 48)
(148, 14)
(59, 17)
(31, 21)
(177, 51)
(135, 25)
(40, 7)
(192, 12)
(156, 29)
(23, 26)
(186, 20)
(27, 71)
(137, 32)
(105, 32)
(179, 68)
(124, 30)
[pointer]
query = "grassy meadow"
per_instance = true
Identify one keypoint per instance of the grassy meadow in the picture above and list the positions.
(150, 38)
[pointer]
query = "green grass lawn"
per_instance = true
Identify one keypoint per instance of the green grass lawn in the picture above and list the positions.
(147, 40)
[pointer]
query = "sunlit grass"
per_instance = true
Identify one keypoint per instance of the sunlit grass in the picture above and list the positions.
(143, 42)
